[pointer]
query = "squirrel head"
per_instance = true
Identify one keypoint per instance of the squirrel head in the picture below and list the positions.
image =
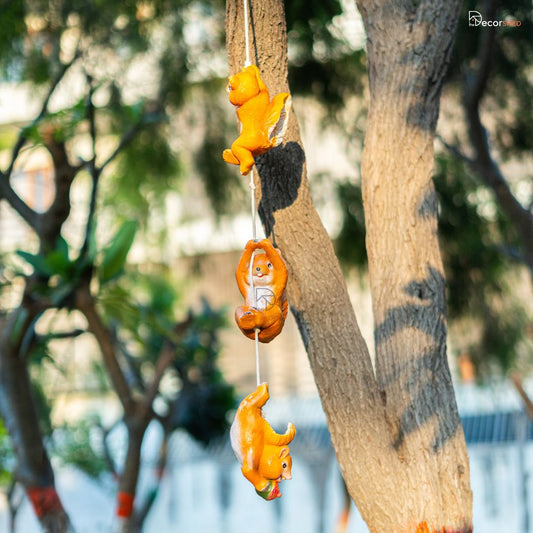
(244, 85)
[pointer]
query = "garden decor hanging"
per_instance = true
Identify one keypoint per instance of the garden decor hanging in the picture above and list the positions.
(263, 453)
(261, 277)
(262, 281)
(263, 122)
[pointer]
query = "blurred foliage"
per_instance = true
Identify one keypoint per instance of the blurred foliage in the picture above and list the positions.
(74, 444)
(350, 242)
(509, 93)
(478, 246)
(322, 64)
(142, 309)
(115, 253)
(7, 458)
(471, 230)
(205, 399)
(222, 184)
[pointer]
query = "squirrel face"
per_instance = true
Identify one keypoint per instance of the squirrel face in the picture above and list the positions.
(276, 462)
(242, 87)
(262, 270)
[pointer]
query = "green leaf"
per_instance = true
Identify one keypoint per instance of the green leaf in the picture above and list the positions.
(58, 263)
(62, 247)
(38, 262)
(114, 256)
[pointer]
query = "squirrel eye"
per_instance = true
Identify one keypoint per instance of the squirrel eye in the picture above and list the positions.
(269, 265)
(284, 465)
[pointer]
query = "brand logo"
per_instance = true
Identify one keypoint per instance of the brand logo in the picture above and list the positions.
(475, 18)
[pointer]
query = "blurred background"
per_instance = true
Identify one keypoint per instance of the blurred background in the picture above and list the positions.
(127, 101)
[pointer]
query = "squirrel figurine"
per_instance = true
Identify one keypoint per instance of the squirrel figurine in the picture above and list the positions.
(263, 453)
(263, 122)
(265, 307)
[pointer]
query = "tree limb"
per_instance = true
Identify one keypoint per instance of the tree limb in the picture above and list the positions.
(166, 356)
(483, 164)
(85, 303)
(516, 380)
(21, 141)
(31, 217)
(15, 201)
(94, 171)
(52, 220)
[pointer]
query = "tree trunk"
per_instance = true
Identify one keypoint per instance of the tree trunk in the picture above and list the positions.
(398, 438)
(130, 474)
(20, 417)
(409, 47)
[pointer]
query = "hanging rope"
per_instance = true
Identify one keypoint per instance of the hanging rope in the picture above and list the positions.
(247, 63)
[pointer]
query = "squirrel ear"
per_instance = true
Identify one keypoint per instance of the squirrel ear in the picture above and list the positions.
(284, 451)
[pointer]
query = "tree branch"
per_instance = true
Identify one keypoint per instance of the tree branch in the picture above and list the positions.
(29, 216)
(52, 220)
(61, 335)
(85, 303)
(94, 171)
(125, 141)
(107, 452)
(516, 380)
(147, 118)
(166, 356)
(44, 109)
(483, 164)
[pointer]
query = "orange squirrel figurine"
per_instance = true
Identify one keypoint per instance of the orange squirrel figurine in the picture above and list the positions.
(266, 306)
(263, 122)
(263, 453)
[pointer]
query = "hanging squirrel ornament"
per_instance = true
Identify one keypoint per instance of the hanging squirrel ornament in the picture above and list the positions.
(263, 122)
(265, 302)
(261, 277)
(264, 454)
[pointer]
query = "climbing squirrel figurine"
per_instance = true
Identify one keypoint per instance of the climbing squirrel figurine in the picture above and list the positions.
(263, 122)
(263, 453)
(265, 307)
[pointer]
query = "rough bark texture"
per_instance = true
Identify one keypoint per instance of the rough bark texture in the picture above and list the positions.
(398, 438)
(408, 51)
(20, 417)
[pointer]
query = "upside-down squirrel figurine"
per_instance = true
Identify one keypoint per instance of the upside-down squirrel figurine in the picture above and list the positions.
(263, 453)
(263, 122)
(265, 307)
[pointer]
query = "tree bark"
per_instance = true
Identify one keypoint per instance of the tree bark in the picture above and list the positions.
(398, 438)
(409, 49)
(18, 412)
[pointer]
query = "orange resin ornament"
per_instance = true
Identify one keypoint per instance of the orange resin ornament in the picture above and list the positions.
(263, 453)
(265, 302)
(263, 122)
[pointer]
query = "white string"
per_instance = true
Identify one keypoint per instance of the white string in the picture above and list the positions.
(252, 204)
(254, 233)
(247, 63)
(257, 369)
